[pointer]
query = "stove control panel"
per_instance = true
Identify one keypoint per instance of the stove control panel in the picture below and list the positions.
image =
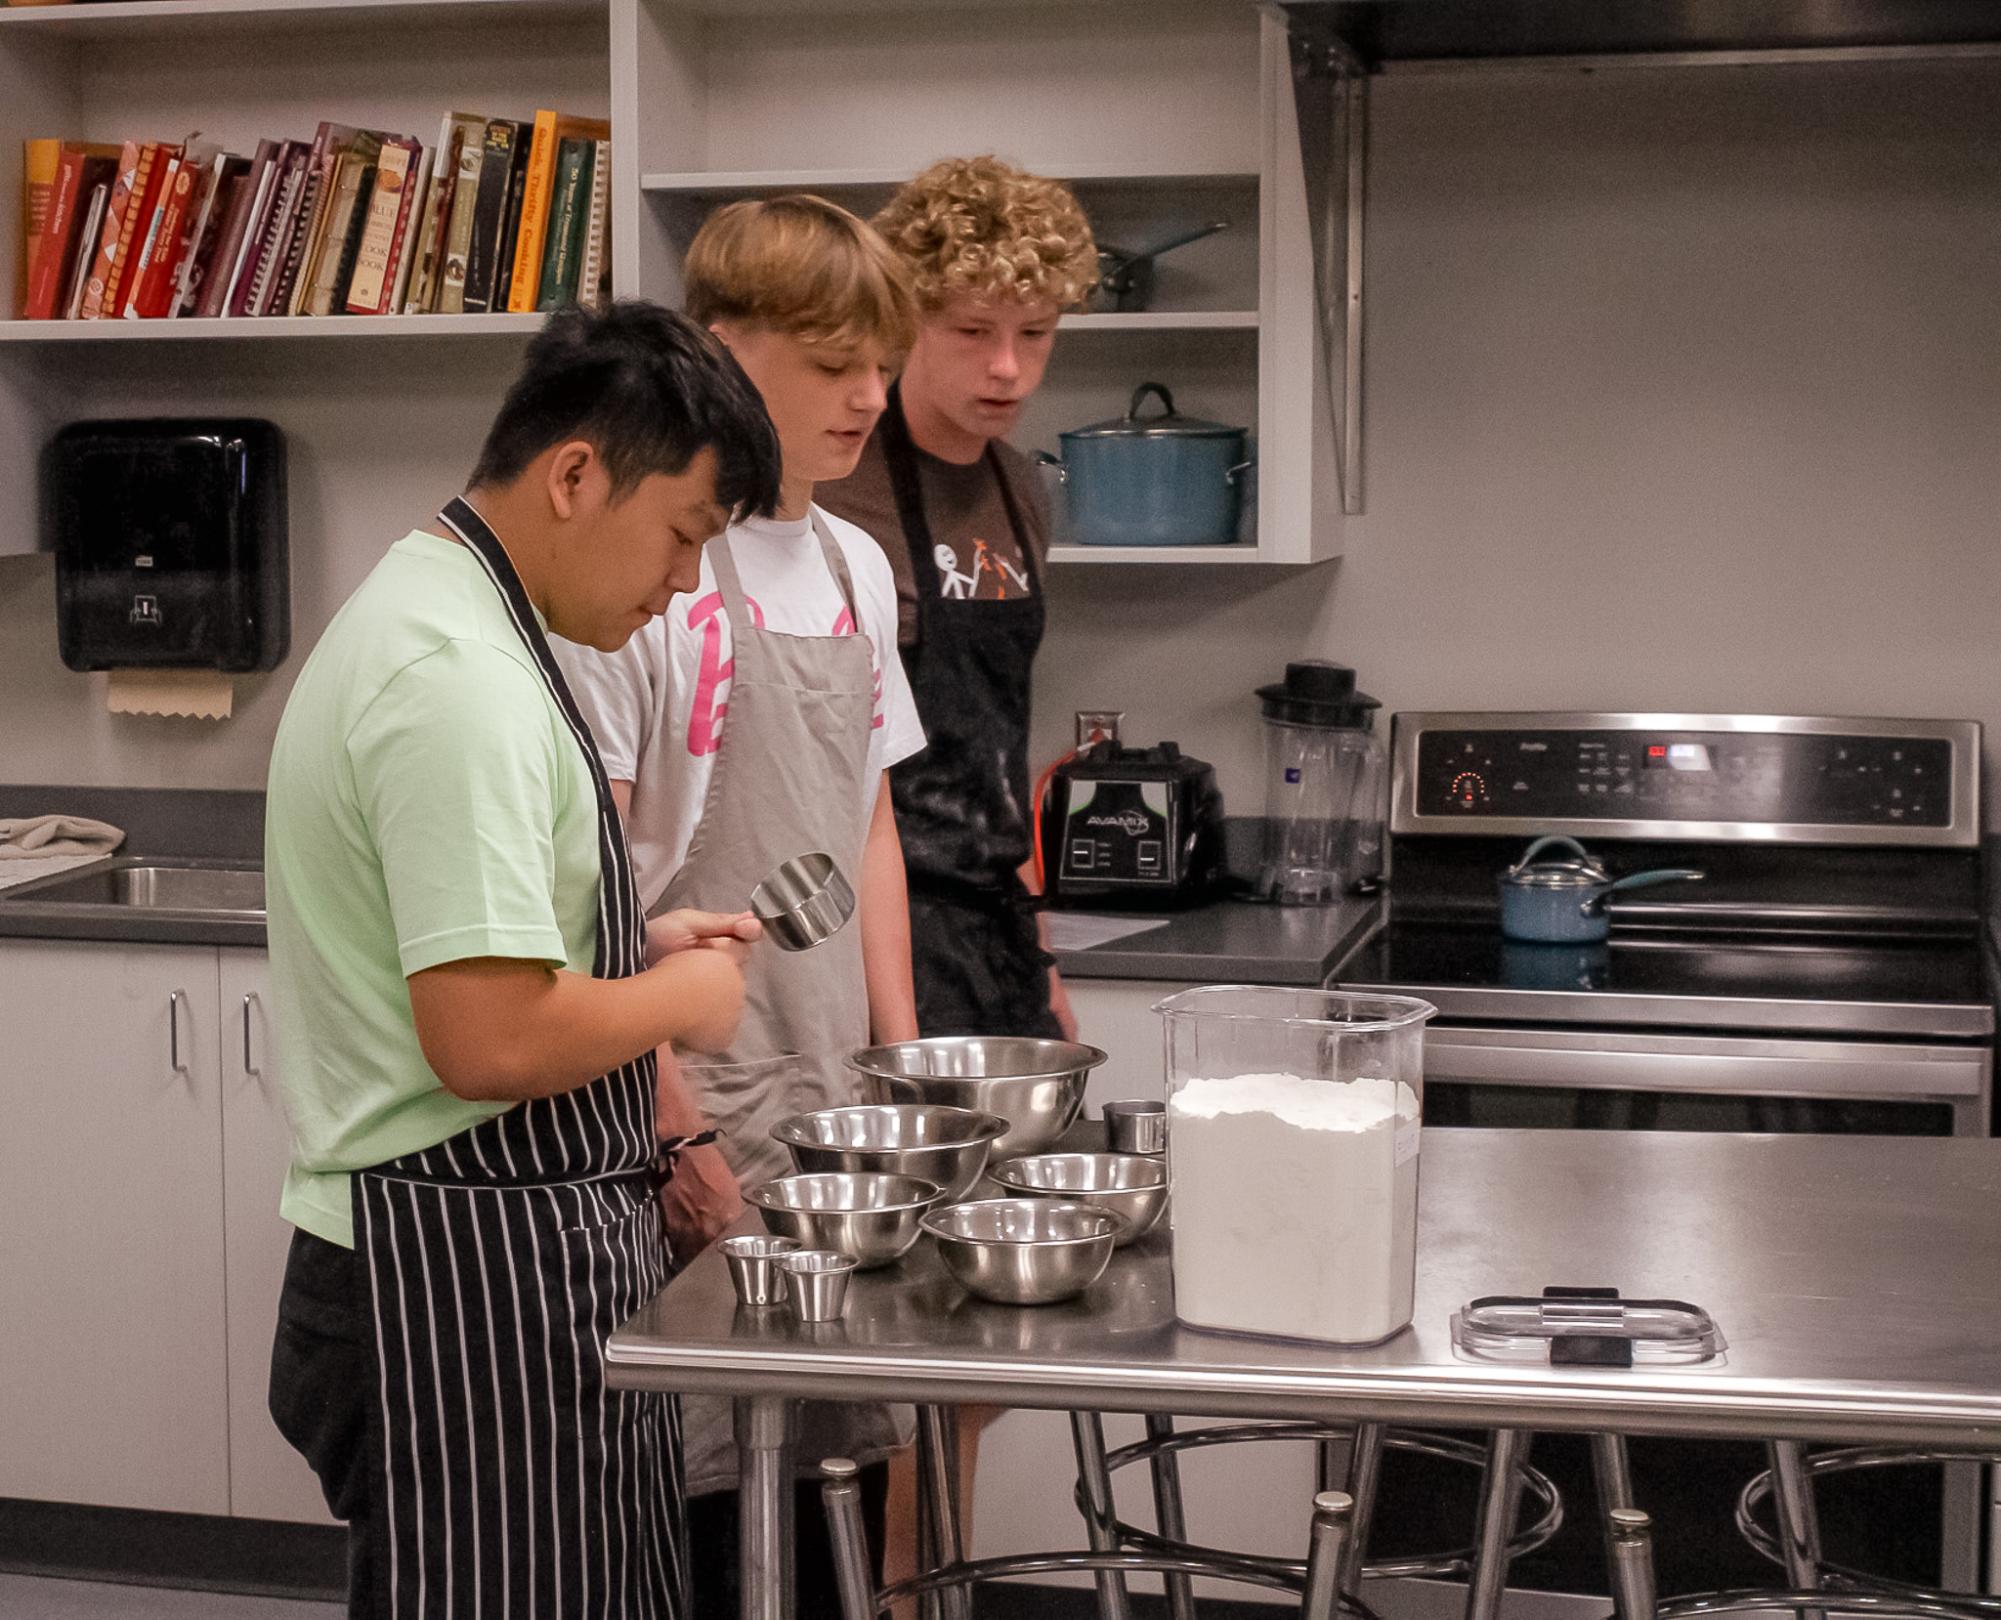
(1869, 781)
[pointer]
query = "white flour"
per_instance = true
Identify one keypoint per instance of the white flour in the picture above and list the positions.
(1295, 1206)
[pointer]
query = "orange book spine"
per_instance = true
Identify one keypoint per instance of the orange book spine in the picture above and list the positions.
(105, 255)
(526, 283)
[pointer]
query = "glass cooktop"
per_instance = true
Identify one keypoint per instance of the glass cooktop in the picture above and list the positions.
(1878, 988)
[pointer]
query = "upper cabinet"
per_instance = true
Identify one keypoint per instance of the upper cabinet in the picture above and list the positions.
(1164, 118)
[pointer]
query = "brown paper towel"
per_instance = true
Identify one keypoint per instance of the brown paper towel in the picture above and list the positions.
(199, 694)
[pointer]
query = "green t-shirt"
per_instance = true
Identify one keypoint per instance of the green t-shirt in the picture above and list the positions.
(427, 804)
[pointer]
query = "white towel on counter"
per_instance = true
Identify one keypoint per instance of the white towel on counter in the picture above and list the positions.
(36, 838)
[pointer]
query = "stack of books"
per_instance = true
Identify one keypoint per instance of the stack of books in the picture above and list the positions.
(499, 215)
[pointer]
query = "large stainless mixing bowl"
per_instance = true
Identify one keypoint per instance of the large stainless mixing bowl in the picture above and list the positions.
(1025, 1251)
(1123, 1183)
(1037, 1086)
(872, 1217)
(945, 1145)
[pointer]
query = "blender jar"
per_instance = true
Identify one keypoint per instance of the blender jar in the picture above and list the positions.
(1324, 782)
(1292, 1147)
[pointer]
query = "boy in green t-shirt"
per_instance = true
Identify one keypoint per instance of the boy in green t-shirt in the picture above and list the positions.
(469, 998)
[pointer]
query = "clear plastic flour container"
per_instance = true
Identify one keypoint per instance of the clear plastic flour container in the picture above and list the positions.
(1292, 1149)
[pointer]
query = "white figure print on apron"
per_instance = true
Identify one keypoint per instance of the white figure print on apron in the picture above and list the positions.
(508, 1481)
(790, 776)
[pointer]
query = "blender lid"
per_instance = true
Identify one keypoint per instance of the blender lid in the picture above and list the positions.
(1317, 693)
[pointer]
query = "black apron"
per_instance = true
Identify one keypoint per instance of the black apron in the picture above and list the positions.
(508, 1480)
(962, 805)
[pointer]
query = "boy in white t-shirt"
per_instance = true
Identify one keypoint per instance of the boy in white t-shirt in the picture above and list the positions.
(756, 719)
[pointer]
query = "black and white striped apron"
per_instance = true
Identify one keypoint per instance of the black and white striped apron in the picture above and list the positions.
(510, 1481)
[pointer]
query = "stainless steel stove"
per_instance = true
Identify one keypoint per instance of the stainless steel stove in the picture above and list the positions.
(1829, 974)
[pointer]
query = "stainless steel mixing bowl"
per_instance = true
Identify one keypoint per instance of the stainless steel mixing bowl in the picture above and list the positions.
(928, 1140)
(1025, 1251)
(1037, 1086)
(1124, 1183)
(872, 1217)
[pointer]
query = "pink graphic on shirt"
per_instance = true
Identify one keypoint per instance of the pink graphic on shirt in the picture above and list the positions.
(845, 626)
(711, 703)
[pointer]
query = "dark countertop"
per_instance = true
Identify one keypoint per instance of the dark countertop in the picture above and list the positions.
(1233, 942)
(201, 826)
(1230, 941)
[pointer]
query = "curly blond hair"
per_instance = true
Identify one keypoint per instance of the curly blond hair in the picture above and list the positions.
(982, 226)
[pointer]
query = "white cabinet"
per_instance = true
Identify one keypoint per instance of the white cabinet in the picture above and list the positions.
(142, 1251)
(111, 1255)
(1118, 1015)
(267, 1478)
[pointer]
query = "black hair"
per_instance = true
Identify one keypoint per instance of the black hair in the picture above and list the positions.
(649, 390)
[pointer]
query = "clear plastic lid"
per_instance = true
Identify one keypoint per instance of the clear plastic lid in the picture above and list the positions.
(1586, 1328)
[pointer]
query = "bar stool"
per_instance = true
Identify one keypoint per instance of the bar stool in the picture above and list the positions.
(1630, 1534)
(1318, 1582)
(1350, 1461)
(1793, 1541)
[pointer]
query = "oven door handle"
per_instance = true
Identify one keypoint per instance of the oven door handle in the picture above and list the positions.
(1719, 1065)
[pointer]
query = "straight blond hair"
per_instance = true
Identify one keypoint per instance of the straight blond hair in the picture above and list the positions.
(802, 266)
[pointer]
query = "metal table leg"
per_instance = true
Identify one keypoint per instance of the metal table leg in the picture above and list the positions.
(1365, 1467)
(1500, 1495)
(1630, 1536)
(1333, 1512)
(1168, 1514)
(938, 1435)
(1613, 1471)
(1798, 1522)
(842, 1496)
(764, 1426)
(1087, 1431)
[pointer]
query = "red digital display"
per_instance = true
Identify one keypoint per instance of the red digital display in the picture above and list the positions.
(1656, 750)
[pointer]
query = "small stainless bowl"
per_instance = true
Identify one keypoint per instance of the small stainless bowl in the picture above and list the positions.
(816, 1283)
(872, 1217)
(753, 1263)
(1136, 1127)
(1124, 1183)
(805, 902)
(945, 1145)
(1025, 1251)
(1037, 1086)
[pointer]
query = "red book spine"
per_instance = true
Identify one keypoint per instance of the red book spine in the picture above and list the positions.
(138, 225)
(46, 280)
(156, 281)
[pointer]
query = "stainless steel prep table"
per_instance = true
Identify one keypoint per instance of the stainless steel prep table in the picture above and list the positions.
(1853, 1277)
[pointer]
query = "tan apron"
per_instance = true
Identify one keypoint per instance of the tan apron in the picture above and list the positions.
(790, 777)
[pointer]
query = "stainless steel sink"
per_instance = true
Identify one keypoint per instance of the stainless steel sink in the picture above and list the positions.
(154, 886)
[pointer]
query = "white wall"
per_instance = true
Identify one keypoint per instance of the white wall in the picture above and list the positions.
(1683, 392)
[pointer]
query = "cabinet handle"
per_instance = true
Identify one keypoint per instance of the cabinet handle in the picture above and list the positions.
(174, 1000)
(249, 1067)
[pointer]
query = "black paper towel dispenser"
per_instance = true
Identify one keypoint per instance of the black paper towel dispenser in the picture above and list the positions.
(170, 543)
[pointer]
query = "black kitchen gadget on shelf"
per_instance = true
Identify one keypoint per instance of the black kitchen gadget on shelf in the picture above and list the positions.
(1132, 829)
(170, 543)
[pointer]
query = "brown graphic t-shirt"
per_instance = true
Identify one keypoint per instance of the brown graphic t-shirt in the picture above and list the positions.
(973, 543)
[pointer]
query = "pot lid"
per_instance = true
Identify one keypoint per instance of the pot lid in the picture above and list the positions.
(1571, 874)
(1317, 693)
(1170, 425)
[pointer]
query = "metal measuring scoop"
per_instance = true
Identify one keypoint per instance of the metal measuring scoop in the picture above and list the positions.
(805, 902)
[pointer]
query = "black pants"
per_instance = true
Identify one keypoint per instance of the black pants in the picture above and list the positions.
(319, 1371)
(712, 1541)
(978, 966)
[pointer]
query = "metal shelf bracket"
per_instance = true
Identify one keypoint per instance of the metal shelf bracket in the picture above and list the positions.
(1331, 96)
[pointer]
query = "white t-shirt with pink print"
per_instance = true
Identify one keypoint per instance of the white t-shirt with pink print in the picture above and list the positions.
(660, 704)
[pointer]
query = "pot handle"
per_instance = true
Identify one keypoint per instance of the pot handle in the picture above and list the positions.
(1595, 906)
(1552, 841)
(1139, 397)
(1233, 474)
(1044, 459)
